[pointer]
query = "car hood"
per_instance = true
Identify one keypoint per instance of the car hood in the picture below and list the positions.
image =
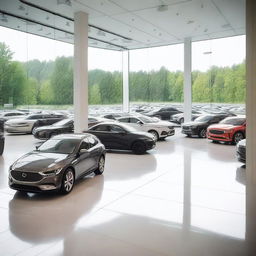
(159, 124)
(39, 161)
(221, 126)
(194, 123)
(48, 127)
(242, 143)
(145, 134)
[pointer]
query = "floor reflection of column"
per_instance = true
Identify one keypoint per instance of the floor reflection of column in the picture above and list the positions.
(250, 218)
(187, 191)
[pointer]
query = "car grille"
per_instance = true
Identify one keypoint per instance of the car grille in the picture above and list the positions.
(216, 132)
(242, 150)
(25, 188)
(26, 176)
(186, 128)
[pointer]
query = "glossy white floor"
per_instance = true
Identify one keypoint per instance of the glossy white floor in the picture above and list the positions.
(185, 197)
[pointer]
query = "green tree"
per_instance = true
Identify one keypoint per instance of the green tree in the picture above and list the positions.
(62, 81)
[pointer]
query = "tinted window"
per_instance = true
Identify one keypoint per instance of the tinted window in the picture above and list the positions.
(85, 144)
(104, 128)
(34, 117)
(116, 128)
(134, 120)
(124, 120)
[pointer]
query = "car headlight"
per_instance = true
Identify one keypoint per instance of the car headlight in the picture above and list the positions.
(228, 131)
(51, 172)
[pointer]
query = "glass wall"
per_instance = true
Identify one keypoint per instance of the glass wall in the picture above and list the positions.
(36, 73)
(219, 73)
(156, 75)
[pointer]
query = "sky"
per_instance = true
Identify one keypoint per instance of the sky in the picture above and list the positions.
(218, 52)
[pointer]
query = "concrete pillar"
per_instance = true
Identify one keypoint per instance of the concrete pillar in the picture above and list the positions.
(126, 81)
(251, 126)
(187, 80)
(80, 71)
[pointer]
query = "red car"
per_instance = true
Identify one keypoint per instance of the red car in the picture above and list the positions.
(231, 129)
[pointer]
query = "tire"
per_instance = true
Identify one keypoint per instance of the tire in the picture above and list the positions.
(237, 137)
(68, 181)
(101, 165)
(155, 134)
(139, 147)
(215, 141)
(202, 133)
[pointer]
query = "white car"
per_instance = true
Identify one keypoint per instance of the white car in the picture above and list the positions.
(7, 115)
(27, 124)
(159, 129)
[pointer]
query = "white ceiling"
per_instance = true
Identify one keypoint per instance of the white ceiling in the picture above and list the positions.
(135, 23)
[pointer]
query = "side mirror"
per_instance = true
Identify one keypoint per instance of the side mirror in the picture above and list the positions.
(83, 150)
(139, 122)
(37, 147)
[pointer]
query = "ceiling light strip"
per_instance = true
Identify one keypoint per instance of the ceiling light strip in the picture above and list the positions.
(58, 29)
(70, 19)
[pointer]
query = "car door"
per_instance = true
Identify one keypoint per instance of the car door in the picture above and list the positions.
(84, 161)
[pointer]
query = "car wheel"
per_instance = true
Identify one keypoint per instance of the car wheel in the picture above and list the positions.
(202, 133)
(68, 181)
(182, 120)
(101, 165)
(237, 137)
(139, 147)
(155, 134)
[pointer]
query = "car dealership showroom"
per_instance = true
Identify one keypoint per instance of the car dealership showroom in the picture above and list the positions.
(127, 127)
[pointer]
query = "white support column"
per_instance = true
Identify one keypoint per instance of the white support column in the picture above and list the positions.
(251, 127)
(126, 81)
(80, 71)
(187, 88)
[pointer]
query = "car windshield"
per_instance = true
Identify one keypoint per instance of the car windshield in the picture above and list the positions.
(62, 122)
(148, 119)
(203, 118)
(61, 146)
(233, 121)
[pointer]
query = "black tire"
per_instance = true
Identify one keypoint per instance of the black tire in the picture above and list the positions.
(237, 137)
(101, 165)
(155, 134)
(139, 147)
(68, 181)
(202, 133)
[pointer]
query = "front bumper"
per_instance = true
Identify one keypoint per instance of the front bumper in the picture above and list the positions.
(241, 154)
(165, 134)
(227, 137)
(32, 182)
(189, 131)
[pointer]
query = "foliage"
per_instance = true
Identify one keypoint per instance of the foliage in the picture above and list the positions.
(36, 82)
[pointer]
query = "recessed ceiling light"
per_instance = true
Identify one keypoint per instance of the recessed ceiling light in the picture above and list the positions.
(47, 18)
(101, 33)
(21, 7)
(65, 2)
(226, 26)
(67, 24)
(190, 21)
(3, 18)
(177, 14)
(206, 30)
(162, 8)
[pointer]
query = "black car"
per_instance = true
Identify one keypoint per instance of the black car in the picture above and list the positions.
(199, 125)
(163, 113)
(57, 163)
(241, 151)
(2, 136)
(123, 137)
(46, 132)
